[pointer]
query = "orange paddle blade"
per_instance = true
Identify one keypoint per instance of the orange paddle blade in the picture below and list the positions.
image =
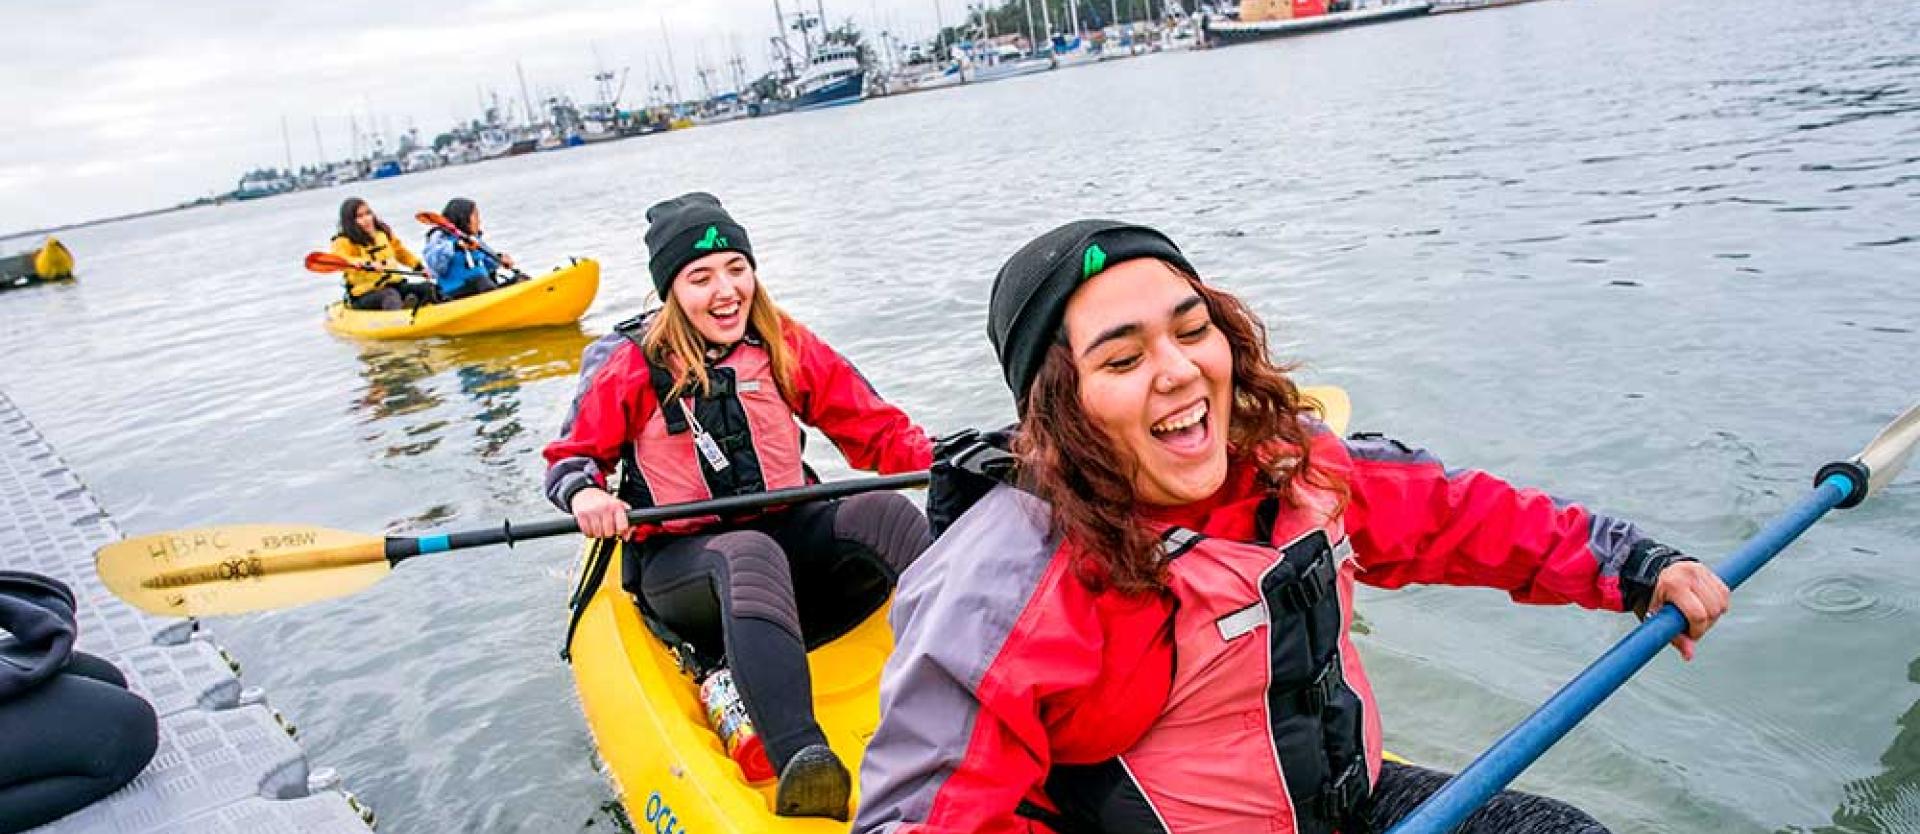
(434, 218)
(324, 262)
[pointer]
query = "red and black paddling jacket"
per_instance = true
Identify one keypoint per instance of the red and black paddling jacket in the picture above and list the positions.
(1020, 700)
(739, 437)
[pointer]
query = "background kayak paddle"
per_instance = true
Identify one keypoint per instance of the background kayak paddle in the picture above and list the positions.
(327, 262)
(1839, 484)
(439, 221)
(239, 568)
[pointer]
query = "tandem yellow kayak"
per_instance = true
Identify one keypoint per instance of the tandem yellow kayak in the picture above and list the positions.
(558, 297)
(671, 771)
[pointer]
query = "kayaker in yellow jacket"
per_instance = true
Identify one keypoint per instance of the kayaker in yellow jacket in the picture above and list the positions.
(366, 239)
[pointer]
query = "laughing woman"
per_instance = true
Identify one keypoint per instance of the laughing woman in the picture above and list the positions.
(698, 400)
(1147, 630)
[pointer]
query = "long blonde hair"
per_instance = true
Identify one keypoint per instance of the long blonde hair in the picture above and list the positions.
(672, 338)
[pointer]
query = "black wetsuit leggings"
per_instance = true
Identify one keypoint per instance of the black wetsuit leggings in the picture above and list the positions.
(1403, 787)
(767, 589)
(73, 739)
(396, 297)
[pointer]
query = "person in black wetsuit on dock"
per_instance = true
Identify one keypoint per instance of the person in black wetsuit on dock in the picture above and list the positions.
(70, 732)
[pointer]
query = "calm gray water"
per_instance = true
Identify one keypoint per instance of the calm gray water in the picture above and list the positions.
(1654, 256)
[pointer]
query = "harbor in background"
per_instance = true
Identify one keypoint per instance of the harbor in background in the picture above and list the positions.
(816, 65)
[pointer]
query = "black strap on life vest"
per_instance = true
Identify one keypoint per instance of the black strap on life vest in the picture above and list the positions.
(1303, 600)
(718, 411)
(967, 464)
(592, 572)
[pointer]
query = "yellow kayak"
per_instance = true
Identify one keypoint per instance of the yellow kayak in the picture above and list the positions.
(670, 770)
(558, 297)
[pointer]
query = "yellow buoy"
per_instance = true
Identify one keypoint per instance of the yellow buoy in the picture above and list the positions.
(52, 261)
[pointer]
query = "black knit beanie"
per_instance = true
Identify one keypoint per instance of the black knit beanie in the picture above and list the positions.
(1030, 293)
(687, 228)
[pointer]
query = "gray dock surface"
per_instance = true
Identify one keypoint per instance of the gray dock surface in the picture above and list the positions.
(227, 762)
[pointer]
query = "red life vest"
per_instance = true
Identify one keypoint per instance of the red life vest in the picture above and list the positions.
(1270, 723)
(1270, 720)
(738, 437)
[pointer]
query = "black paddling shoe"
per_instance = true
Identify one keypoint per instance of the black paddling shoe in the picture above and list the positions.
(814, 784)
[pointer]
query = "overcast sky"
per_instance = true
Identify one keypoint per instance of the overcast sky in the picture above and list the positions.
(112, 107)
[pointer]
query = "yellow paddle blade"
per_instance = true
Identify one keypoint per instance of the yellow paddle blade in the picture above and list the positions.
(1331, 403)
(239, 568)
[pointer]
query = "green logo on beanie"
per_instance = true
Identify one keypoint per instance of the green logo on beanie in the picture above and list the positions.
(713, 240)
(1095, 260)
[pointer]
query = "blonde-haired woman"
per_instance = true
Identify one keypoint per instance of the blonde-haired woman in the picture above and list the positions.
(698, 400)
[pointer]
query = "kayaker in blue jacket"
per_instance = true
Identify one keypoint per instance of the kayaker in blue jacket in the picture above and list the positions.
(461, 269)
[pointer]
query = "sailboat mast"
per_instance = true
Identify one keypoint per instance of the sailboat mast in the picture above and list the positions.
(286, 140)
(673, 79)
(525, 98)
(786, 47)
(939, 34)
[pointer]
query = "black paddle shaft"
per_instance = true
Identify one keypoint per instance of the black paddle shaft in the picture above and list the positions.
(401, 548)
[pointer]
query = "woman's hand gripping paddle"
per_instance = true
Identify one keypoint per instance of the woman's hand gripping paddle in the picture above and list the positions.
(1840, 484)
(239, 568)
(439, 221)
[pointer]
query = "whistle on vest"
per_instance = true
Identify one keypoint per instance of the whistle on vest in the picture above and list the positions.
(709, 449)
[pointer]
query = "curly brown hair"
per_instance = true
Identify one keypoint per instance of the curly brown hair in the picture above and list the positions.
(1091, 495)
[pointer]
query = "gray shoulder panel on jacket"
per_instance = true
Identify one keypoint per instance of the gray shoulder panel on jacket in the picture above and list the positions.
(952, 615)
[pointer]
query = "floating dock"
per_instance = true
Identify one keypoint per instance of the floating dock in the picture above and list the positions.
(227, 762)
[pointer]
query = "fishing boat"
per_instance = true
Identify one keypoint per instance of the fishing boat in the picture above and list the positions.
(1073, 51)
(262, 183)
(915, 78)
(421, 159)
(1230, 32)
(725, 107)
(494, 142)
(600, 121)
(833, 77)
(1000, 61)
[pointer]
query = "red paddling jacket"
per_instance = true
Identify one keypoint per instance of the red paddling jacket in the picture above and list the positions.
(1020, 700)
(738, 438)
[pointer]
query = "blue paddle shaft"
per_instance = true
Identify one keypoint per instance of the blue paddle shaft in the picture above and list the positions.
(1523, 744)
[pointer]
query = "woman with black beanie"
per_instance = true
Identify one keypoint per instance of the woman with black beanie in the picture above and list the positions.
(698, 400)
